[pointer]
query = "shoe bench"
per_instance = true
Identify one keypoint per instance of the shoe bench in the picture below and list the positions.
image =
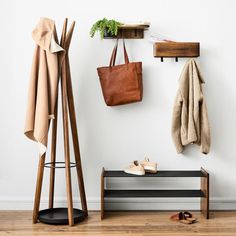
(202, 193)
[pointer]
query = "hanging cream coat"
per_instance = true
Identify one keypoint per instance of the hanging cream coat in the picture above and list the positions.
(43, 83)
(190, 120)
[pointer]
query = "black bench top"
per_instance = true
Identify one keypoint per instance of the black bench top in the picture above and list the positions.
(160, 173)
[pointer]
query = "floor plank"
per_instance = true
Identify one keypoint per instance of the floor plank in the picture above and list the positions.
(119, 223)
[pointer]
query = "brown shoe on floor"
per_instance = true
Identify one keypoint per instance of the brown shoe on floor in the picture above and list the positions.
(181, 217)
(189, 216)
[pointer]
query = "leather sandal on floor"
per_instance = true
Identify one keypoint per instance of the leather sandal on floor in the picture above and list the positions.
(189, 216)
(181, 218)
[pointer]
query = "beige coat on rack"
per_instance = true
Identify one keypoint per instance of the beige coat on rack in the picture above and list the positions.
(190, 120)
(43, 86)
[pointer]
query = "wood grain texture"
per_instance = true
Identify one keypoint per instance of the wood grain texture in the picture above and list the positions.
(130, 32)
(54, 134)
(176, 49)
(66, 130)
(53, 157)
(130, 26)
(74, 129)
(205, 189)
(122, 223)
(38, 188)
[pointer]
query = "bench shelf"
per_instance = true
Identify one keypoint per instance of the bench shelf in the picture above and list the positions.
(202, 193)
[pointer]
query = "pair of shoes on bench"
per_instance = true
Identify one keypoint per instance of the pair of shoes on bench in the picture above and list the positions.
(140, 168)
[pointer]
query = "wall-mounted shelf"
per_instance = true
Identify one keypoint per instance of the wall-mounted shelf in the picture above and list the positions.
(130, 32)
(176, 49)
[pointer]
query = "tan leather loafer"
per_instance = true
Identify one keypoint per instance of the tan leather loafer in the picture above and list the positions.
(135, 169)
(150, 167)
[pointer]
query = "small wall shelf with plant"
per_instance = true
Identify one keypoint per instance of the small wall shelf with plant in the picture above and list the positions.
(110, 29)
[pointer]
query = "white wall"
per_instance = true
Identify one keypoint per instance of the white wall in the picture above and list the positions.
(112, 137)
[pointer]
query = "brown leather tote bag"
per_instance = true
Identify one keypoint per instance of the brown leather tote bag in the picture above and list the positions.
(121, 84)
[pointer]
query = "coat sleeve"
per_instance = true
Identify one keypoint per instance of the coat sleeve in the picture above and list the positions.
(205, 129)
(176, 123)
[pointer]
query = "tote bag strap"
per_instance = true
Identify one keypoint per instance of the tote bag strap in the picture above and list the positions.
(125, 53)
(113, 55)
(114, 52)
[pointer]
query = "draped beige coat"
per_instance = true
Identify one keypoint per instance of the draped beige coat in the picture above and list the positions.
(190, 119)
(43, 85)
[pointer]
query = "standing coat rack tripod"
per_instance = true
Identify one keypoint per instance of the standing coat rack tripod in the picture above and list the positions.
(62, 215)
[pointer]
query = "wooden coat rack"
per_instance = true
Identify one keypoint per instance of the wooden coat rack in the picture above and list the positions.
(62, 215)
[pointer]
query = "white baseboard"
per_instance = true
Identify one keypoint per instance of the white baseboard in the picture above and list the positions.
(126, 204)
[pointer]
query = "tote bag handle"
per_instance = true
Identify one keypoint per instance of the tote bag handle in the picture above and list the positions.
(114, 52)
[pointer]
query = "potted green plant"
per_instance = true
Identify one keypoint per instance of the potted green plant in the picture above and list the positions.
(107, 28)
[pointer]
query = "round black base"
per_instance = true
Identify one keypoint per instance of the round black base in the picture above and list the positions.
(59, 216)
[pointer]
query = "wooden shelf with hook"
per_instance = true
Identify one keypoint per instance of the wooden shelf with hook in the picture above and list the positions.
(176, 49)
(128, 31)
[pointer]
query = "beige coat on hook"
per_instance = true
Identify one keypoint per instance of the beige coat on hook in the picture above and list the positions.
(190, 120)
(43, 82)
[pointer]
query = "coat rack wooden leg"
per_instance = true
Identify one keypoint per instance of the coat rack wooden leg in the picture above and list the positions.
(53, 157)
(38, 188)
(74, 126)
(66, 147)
(66, 135)
(54, 143)
(76, 146)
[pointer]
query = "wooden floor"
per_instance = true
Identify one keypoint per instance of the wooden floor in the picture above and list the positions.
(121, 223)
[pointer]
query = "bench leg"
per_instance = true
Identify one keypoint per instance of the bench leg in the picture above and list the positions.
(102, 194)
(205, 190)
